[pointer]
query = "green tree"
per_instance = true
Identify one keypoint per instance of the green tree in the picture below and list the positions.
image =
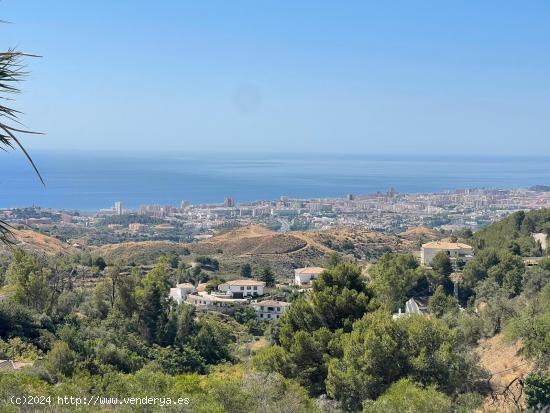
(392, 278)
(212, 284)
(380, 351)
(152, 303)
(441, 303)
(537, 390)
(213, 341)
(339, 297)
(125, 301)
(532, 325)
(405, 396)
(309, 359)
(152, 312)
(274, 359)
(60, 360)
(31, 281)
(495, 306)
(99, 262)
(17, 320)
(246, 271)
(174, 360)
(186, 326)
(442, 264)
(267, 276)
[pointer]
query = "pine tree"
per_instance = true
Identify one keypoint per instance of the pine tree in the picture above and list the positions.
(267, 277)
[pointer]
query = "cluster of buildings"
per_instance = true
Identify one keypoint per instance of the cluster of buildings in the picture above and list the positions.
(234, 294)
(229, 297)
(389, 211)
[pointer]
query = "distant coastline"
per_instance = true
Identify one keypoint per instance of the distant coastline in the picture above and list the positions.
(91, 181)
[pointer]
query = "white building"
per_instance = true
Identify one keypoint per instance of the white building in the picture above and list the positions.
(414, 306)
(118, 208)
(270, 309)
(180, 292)
(305, 276)
(542, 239)
(214, 303)
(242, 288)
(455, 250)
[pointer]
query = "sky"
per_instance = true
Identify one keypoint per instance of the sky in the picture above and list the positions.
(365, 77)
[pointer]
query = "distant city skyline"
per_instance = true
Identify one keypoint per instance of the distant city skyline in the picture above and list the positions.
(307, 77)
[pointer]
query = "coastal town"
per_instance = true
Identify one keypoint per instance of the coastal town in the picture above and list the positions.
(390, 212)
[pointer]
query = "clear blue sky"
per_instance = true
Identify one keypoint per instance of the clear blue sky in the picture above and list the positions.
(287, 76)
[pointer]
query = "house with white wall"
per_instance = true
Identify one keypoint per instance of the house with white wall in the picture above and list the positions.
(205, 301)
(456, 251)
(305, 276)
(180, 292)
(270, 309)
(242, 288)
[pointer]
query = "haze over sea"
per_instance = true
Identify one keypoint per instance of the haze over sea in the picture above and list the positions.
(90, 181)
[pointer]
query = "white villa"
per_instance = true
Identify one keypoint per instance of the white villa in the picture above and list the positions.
(242, 288)
(180, 292)
(270, 309)
(305, 276)
(455, 250)
(207, 301)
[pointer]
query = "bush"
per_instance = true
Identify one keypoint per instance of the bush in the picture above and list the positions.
(537, 390)
(405, 396)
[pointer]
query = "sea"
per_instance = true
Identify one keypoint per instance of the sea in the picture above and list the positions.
(88, 181)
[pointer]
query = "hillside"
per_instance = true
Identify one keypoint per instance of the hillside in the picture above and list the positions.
(284, 252)
(261, 247)
(140, 252)
(514, 232)
(35, 242)
(506, 367)
(420, 233)
(250, 240)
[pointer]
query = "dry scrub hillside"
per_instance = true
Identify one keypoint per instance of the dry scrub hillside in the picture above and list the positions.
(139, 252)
(261, 247)
(507, 369)
(284, 252)
(253, 244)
(35, 242)
(420, 233)
(250, 240)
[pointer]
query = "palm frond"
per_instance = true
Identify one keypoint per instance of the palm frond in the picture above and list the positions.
(6, 234)
(12, 71)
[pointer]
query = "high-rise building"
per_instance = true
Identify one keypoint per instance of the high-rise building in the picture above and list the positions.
(118, 208)
(228, 202)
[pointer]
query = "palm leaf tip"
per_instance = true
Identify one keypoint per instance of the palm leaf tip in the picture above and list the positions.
(12, 72)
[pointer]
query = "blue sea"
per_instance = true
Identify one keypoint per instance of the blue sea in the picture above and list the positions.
(90, 181)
